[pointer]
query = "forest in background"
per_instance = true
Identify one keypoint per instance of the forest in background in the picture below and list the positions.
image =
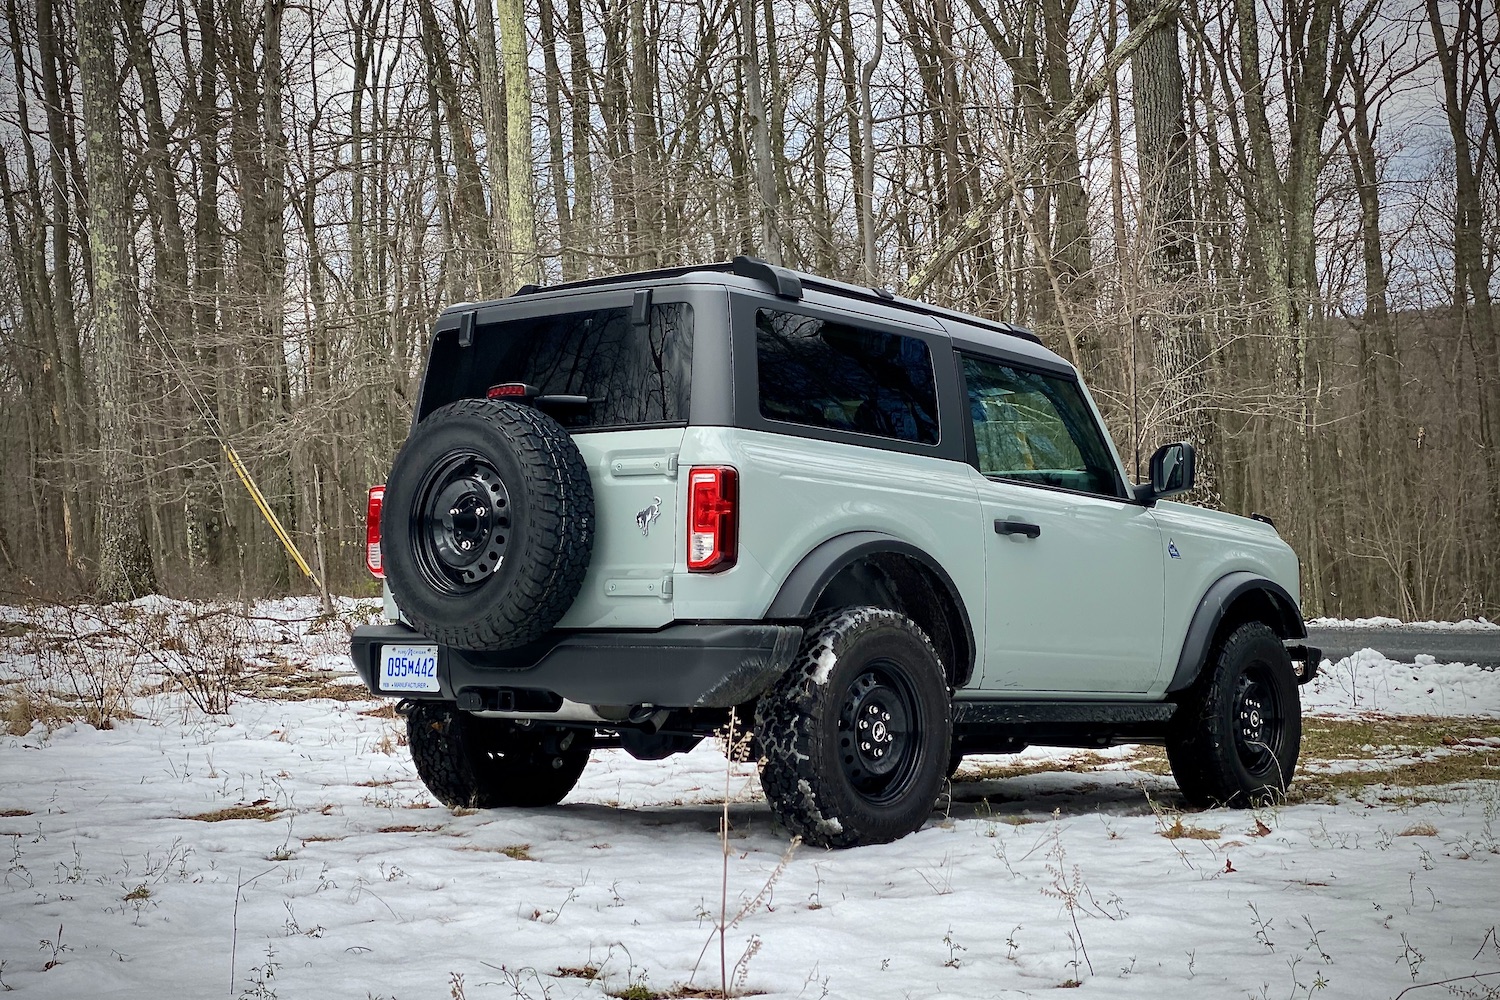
(1269, 228)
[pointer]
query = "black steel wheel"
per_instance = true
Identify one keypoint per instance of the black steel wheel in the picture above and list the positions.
(1259, 718)
(855, 737)
(458, 533)
(1238, 731)
(880, 734)
(488, 524)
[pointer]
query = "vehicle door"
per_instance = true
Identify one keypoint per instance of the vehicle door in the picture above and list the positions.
(1074, 567)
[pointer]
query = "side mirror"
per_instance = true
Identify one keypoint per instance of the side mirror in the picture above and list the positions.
(1172, 471)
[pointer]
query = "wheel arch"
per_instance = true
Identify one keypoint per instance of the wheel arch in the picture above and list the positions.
(1231, 601)
(872, 567)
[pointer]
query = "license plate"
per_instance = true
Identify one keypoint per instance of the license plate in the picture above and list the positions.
(408, 668)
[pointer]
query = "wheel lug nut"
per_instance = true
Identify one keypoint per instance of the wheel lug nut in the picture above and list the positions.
(863, 745)
(886, 716)
(480, 512)
(452, 511)
(466, 545)
(863, 724)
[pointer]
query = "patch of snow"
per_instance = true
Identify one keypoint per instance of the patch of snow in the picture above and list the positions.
(827, 659)
(1368, 682)
(1467, 625)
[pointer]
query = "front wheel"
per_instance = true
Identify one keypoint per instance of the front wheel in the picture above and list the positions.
(855, 737)
(475, 763)
(1238, 732)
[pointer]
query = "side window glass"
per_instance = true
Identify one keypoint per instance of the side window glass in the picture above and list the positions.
(822, 373)
(1035, 428)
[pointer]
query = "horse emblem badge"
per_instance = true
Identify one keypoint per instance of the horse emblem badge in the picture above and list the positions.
(646, 518)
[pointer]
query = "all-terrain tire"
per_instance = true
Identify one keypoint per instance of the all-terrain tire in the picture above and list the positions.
(856, 665)
(522, 564)
(1238, 732)
(477, 763)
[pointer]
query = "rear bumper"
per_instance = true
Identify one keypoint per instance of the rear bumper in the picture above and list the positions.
(680, 666)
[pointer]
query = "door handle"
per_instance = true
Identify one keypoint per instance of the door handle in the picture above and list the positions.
(1017, 528)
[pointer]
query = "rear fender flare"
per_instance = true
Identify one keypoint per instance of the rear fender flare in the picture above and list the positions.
(799, 593)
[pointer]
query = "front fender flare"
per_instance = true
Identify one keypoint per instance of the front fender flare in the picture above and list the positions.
(1210, 614)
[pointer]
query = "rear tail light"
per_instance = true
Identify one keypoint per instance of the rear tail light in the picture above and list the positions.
(372, 531)
(713, 519)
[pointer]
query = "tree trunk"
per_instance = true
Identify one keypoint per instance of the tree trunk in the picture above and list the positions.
(1176, 315)
(125, 570)
(494, 101)
(765, 174)
(524, 264)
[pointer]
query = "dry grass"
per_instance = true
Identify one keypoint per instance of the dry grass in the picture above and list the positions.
(1448, 751)
(587, 972)
(1180, 830)
(1078, 763)
(640, 991)
(516, 852)
(258, 811)
(1152, 760)
(1419, 830)
(14, 813)
(25, 706)
(408, 828)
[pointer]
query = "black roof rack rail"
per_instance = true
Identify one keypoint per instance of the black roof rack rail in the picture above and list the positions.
(790, 284)
(786, 284)
(657, 274)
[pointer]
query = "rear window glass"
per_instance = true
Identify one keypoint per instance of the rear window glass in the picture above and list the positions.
(822, 373)
(631, 374)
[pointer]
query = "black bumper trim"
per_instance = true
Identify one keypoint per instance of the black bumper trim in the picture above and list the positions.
(1311, 657)
(680, 666)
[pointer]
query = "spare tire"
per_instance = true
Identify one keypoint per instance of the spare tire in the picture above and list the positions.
(488, 525)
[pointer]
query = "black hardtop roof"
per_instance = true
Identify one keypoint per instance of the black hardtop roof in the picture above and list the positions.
(785, 282)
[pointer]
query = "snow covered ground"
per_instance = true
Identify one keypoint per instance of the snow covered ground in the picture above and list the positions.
(286, 848)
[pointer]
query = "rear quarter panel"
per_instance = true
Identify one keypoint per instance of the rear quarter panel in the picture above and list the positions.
(798, 492)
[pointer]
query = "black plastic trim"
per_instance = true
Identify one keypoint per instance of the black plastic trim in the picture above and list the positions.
(803, 586)
(784, 283)
(686, 665)
(1008, 726)
(1311, 657)
(1211, 609)
(976, 712)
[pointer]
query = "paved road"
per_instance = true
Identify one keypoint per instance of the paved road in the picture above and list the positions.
(1404, 643)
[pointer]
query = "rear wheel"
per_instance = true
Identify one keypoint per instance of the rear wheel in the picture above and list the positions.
(475, 763)
(855, 737)
(1238, 732)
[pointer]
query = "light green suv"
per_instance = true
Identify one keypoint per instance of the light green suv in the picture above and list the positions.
(884, 534)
